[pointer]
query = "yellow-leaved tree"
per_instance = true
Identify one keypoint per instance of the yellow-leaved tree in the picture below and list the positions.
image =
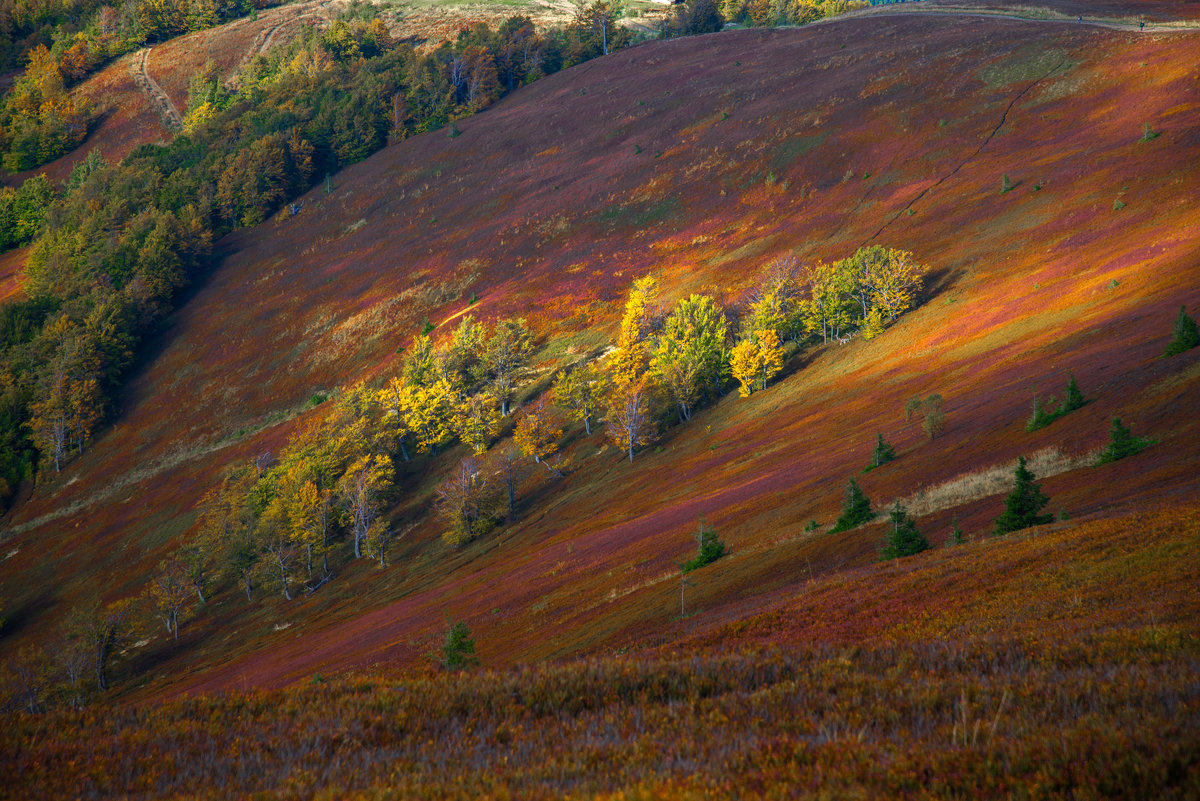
(628, 417)
(361, 490)
(756, 360)
(628, 361)
(537, 434)
(477, 421)
(428, 412)
(897, 281)
(580, 391)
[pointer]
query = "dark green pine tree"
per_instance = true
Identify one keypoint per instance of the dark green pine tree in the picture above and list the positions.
(1187, 336)
(1023, 505)
(903, 538)
(883, 453)
(1121, 443)
(1073, 399)
(856, 509)
(459, 650)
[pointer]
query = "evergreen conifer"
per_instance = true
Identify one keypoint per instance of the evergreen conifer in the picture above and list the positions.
(903, 538)
(1187, 336)
(459, 650)
(710, 548)
(1121, 443)
(856, 509)
(883, 453)
(1023, 505)
(1073, 399)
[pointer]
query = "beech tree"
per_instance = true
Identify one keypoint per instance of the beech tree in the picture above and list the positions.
(310, 513)
(477, 421)
(279, 546)
(393, 399)
(360, 490)
(169, 591)
(104, 627)
(895, 283)
(689, 354)
(377, 540)
(628, 360)
(537, 434)
(198, 555)
(756, 360)
(508, 351)
(828, 305)
(628, 417)
(581, 391)
(428, 414)
(464, 500)
(508, 470)
(460, 361)
(419, 362)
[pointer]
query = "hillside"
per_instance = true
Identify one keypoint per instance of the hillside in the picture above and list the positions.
(698, 160)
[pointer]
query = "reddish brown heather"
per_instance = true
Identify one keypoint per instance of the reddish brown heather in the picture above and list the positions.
(1055, 663)
(698, 160)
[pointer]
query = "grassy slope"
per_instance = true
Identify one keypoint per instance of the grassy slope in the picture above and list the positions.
(751, 144)
(1041, 665)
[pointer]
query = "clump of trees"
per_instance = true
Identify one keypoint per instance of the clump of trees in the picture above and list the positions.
(40, 119)
(694, 17)
(22, 211)
(1073, 398)
(122, 240)
(763, 13)
(931, 409)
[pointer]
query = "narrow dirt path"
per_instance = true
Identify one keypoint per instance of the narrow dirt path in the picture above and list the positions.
(911, 9)
(266, 37)
(991, 135)
(159, 100)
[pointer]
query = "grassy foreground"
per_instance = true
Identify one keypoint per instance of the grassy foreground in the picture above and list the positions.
(1061, 662)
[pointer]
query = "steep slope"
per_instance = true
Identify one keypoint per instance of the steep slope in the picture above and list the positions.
(125, 93)
(698, 160)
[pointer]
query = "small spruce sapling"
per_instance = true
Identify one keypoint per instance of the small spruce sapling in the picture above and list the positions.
(1073, 398)
(1040, 418)
(1185, 334)
(1121, 443)
(903, 538)
(1023, 505)
(883, 453)
(856, 509)
(459, 651)
(956, 534)
(710, 547)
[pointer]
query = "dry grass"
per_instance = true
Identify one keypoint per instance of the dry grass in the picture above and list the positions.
(992, 480)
